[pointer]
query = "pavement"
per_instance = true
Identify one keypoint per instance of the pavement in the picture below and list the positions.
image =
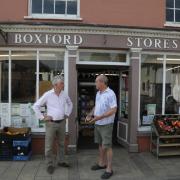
(126, 166)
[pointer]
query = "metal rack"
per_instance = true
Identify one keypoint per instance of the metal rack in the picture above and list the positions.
(160, 146)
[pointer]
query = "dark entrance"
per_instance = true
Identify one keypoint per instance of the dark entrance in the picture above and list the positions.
(86, 99)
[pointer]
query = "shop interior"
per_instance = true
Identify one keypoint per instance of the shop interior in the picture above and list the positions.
(118, 81)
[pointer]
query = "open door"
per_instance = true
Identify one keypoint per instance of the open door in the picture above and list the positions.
(122, 125)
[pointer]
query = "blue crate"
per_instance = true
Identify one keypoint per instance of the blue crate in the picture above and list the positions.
(22, 158)
(22, 142)
(6, 158)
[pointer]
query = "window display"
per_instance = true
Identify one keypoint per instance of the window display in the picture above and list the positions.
(151, 87)
(172, 90)
(30, 78)
(50, 64)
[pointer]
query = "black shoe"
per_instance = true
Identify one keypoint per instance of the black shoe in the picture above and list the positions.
(97, 167)
(64, 164)
(107, 175)
(50, 169)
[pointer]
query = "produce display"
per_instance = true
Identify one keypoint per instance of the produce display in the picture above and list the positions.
(167, 124)
(15, 132)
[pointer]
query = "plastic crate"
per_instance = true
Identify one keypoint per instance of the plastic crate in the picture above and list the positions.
(22, 150)
(7, 140)
(6, 152)
(22, 142)
(22, 158)
(6, 158)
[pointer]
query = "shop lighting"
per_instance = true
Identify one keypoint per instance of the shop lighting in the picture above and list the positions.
(168, 59)
(25, 55)
(173, 68)
(108, 74)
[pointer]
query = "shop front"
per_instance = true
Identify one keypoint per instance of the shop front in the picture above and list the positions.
(142, 67)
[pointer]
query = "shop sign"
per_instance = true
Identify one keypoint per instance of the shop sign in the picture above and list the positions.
(45, 39)
(92, 41)
(152, 43)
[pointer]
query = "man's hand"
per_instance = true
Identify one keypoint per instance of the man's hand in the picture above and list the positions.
(96, 118)
(48, 118)
(88, 118)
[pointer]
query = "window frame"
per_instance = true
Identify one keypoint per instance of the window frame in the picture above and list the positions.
(165, 55)
(126, 63)
(174, 12)
(53, 16)
(37, 51)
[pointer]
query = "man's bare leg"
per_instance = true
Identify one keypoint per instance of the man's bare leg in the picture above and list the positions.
(109, 154)
(102, 156)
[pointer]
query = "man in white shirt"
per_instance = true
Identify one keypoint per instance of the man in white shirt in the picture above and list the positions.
(59, 107)
(103, 115)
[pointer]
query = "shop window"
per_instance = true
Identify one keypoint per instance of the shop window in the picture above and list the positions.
(50, 64)
(173, 11)
(4, 67)
(4, 86)
(172, 98)
(54, 8)
(29, 79)
(23, 78)
(103, 57)
(23, 88)
(151, 87)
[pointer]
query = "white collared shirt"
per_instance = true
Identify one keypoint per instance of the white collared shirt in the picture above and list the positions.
(104, 102)
(57, 106)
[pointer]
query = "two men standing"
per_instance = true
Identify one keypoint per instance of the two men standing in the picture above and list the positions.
(59, 107)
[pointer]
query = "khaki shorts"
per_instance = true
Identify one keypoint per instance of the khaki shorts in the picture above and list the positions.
(103, 135)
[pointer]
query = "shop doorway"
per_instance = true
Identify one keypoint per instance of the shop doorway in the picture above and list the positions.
(86, 99)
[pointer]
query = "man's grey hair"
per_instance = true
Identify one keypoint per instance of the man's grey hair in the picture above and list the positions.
(103, 78)
(57, 79)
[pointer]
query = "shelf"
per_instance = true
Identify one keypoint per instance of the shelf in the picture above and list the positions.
(166, 144)
(169, 136)
(173, 152)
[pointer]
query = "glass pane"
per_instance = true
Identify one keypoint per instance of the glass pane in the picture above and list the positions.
(124, 94)
(177, 15)
(23, 76)
(60, 7)
(177, 4)
(4, 64)
(170, 15)
(172, 85)
(49, 6)
(151, 87)
(72, 7)
(102, 57)
(23, 88)
(37, 6)
(51, 64)
(4, 88)
(170, 3)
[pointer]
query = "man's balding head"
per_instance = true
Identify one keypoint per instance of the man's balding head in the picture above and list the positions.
(101, 82)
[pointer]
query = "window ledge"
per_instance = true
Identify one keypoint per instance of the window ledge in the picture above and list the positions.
(71, 18)
(172, 24)
(144, 129)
